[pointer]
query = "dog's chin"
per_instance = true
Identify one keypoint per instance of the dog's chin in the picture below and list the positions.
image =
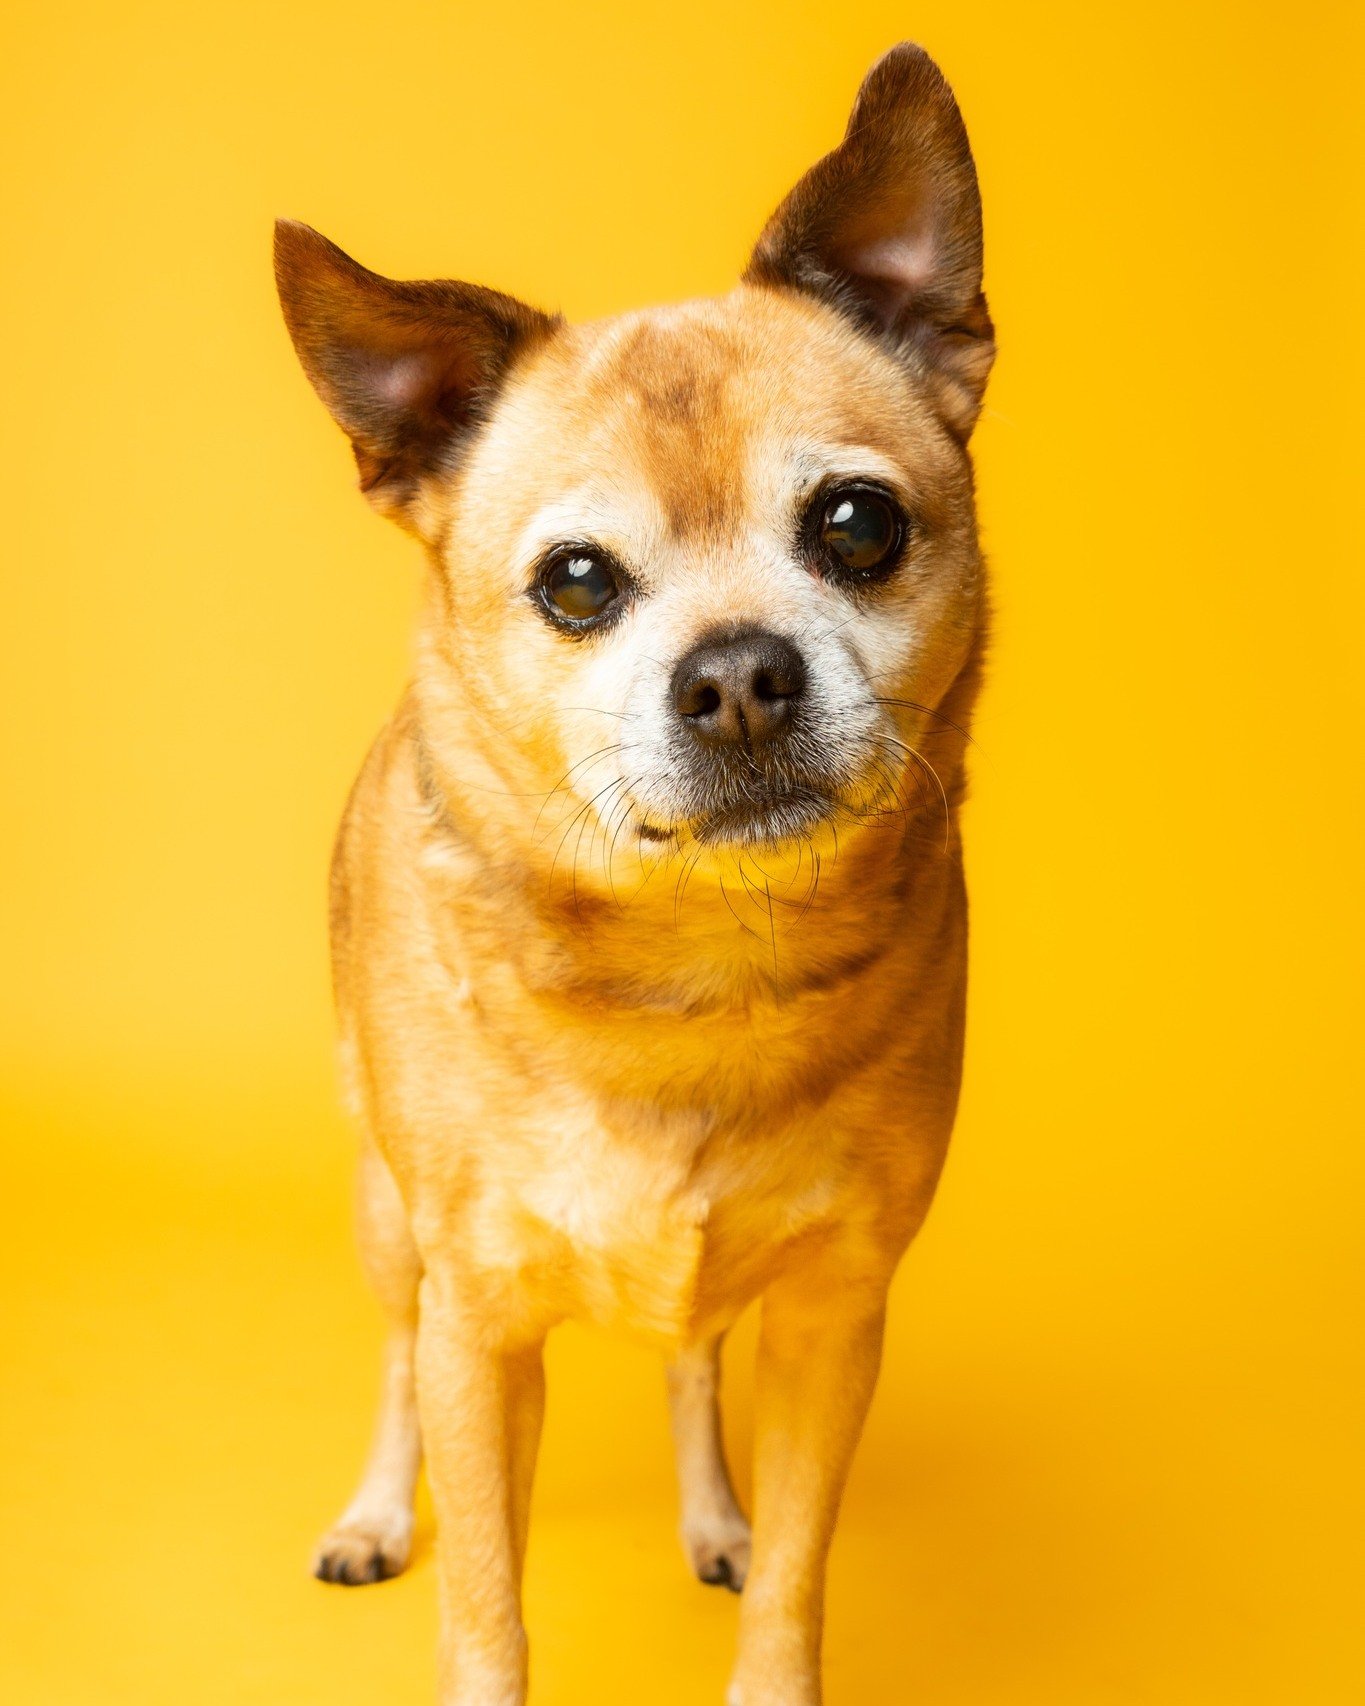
(769, 822)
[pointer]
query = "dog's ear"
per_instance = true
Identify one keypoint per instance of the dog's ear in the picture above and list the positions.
(404, 369)
(888, 229)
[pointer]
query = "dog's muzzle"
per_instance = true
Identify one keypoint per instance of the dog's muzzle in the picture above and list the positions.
(739, 696)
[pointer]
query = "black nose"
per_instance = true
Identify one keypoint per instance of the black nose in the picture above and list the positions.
(739, 689)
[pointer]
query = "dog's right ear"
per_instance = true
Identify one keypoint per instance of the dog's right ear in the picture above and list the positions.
(405, 370)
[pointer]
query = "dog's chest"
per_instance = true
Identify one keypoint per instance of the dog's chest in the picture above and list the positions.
(645, 1233)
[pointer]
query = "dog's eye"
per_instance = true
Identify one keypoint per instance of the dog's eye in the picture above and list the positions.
(579, 587)
(859, 531)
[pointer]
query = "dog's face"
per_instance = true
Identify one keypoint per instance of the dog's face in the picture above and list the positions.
(707, 544)
(701, 570)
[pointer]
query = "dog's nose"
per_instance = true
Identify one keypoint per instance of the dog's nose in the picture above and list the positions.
(739, 689)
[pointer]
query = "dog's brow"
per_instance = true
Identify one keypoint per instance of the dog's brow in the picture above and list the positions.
(588, 514)
(851, 461)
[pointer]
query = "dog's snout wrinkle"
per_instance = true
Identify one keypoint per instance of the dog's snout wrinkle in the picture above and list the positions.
(739, 689)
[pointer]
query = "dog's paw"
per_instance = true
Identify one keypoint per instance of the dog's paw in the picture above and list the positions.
(796, 1691)
(719, 1553)
(355, 1555)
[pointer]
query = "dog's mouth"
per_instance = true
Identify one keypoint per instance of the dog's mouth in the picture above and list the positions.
(764, 821)
(777, 818)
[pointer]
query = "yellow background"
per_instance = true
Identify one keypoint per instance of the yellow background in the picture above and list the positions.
(1115, 1456)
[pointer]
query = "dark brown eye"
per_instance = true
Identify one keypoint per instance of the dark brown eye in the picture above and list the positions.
(859, 531)
(580, 587)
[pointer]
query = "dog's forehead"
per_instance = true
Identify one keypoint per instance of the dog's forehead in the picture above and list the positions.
(705, 404)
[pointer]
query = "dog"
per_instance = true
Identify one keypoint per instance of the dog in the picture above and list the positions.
(648, 917)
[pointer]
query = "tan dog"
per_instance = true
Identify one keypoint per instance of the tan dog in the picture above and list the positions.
(648, 911)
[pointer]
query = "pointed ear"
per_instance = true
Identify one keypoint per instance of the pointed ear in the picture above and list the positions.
(406, 370)
(888, 229)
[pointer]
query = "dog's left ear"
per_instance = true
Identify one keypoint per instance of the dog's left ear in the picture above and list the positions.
(888, 229)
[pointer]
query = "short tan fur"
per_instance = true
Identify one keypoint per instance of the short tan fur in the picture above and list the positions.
(649, 924)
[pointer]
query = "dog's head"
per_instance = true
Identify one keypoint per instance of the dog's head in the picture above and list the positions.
(703, 570)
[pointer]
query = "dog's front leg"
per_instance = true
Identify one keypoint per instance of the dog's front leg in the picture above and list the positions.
(819, 1352)
(481, 1397)
(714, 1532)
